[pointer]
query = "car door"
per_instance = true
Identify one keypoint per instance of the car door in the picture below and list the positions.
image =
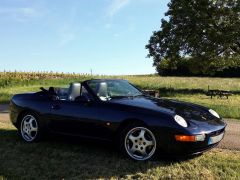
(78, 117)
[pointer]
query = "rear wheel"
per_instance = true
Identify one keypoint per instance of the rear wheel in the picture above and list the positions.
(138, 142)
(29, 128)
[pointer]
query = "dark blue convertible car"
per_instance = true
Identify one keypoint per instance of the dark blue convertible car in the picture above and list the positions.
(142, 126)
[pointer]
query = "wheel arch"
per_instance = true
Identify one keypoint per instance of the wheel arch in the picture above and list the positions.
(129, 121)
(124, 128)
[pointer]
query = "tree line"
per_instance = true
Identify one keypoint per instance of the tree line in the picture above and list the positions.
(198, 38)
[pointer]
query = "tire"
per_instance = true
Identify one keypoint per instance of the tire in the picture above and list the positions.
(29, 128)
(138, 142)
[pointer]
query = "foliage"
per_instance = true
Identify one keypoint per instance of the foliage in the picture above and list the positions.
(220, 67)
(204, 30)
(30, 78)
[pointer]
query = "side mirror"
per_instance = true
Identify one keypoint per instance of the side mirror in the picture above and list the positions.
(83, 99)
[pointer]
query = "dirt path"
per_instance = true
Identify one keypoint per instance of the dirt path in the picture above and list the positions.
(3, 108)
(4, 115)
(230, 141)
(232, 136)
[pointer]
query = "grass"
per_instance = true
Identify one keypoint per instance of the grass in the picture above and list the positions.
(144, 81)
(7, 92)
(190, 89)
(228, 108)
(185, 83)
(78, 159)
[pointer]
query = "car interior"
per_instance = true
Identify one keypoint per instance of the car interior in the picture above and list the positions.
(77, 92)
(73, 93)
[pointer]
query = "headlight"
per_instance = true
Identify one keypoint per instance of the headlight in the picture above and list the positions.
(181, 121)
(214, 113)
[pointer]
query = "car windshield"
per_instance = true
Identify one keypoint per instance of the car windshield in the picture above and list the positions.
(109, 89)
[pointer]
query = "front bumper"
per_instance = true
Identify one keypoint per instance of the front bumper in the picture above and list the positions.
(173, 147)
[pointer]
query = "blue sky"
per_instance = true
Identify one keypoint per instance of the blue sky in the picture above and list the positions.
(107, 36)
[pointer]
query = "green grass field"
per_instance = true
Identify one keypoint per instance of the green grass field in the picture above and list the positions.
(190, 89)
(227, 108)
(186, 83)
(68, 159)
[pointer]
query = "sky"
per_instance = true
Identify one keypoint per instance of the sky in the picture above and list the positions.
(105, 36)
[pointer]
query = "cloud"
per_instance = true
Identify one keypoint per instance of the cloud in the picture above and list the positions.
(19, 14)
(28, 11)
(21, 11)
(115, 6)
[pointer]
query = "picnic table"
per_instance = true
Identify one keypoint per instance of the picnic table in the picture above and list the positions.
(219, 93)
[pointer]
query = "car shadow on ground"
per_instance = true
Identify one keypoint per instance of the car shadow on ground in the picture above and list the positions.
(67, 157)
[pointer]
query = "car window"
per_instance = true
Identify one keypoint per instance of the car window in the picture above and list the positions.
(93, 85)
(117, 89)
(106, 90)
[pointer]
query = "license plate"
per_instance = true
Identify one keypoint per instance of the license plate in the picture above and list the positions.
(215, 139)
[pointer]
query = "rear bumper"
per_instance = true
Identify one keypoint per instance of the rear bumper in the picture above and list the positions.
(13, 113)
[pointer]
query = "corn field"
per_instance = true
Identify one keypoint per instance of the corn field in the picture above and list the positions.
(31, 78)
(143, 81)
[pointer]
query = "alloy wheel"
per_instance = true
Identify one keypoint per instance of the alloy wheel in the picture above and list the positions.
(140, 143)
(29, 128)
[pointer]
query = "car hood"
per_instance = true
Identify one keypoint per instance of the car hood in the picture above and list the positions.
(190, 112)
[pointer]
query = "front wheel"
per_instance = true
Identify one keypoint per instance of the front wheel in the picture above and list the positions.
(29, 128)
(138, 142)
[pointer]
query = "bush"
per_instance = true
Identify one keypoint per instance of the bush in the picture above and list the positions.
(193, 67)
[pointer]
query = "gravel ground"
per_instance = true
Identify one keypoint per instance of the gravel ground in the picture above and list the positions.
(230, 141)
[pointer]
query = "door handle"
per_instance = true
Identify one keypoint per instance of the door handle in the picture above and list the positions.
(55, 107)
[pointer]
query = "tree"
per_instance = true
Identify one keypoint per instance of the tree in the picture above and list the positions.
(203, 30)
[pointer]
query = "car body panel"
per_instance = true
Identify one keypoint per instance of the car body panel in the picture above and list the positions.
(104, 119)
